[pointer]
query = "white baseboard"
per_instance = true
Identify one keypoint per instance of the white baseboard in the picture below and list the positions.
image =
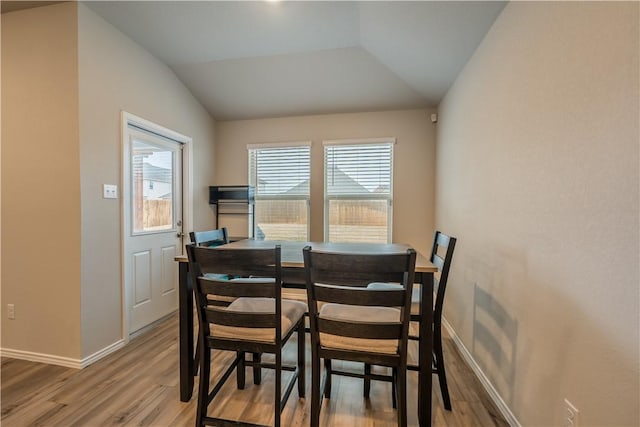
(493, 393)
(67, 362)
(102, 353)
(49, 359)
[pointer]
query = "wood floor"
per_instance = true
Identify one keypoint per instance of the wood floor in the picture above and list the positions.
(138, 386)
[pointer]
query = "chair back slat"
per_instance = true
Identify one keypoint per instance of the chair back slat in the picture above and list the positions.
(238, 288)
(438, 261)
(216, 237)
(360, 296)
(236, 262)
(442, 239)
(367, 330)
(358, 269)
(240, 319)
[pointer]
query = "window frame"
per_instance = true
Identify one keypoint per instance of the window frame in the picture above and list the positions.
(371, 196)
(253, 179)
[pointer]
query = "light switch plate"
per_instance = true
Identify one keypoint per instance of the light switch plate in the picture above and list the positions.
(110, 191)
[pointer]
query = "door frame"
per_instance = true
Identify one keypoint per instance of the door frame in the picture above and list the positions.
(187, 200)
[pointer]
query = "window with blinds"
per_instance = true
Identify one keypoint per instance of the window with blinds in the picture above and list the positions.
(280, 174)
(358, 190)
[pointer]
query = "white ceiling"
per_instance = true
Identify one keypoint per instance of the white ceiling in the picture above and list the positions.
(252, 59)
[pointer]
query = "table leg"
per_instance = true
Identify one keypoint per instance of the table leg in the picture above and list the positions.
(425, 351)
(185, 293)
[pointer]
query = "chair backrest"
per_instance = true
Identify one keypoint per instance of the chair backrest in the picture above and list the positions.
(441, 256)
(258, 274)
(216, 237)
(341, 278)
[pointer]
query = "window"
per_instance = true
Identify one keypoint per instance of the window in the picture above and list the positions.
(280, 174)
(358, 190)
(153, 182)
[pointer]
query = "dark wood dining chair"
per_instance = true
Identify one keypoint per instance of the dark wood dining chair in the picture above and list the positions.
(441, 256)
(350, 322)
(257, 321)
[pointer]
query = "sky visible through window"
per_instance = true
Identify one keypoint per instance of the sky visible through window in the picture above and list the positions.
(161, 159)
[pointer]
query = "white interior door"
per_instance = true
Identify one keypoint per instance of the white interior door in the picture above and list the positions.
(153, 224)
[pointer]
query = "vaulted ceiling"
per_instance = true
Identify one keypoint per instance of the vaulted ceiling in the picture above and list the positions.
(252, 59)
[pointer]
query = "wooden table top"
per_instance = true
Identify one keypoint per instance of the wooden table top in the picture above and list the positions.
(292, 251)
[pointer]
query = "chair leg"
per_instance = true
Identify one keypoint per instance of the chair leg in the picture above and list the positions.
(240, 370)
(203, 388)
(394, 388)
(316, 396)
(327, 372)
(367, 380)
(196, 361)
(401, 390)
(278, 389)
(301, 359)
(439, 363)
(257, 371)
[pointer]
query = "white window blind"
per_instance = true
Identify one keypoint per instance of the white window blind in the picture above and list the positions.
(281, 176)
(358, 191)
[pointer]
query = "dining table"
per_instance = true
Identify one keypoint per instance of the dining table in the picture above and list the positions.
(293, 277)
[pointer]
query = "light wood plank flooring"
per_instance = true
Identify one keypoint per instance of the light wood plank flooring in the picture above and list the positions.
(138, 386)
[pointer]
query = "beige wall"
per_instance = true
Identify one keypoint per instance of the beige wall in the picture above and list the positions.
(67, 76)
(414, 160)
(41, 181)
(538, 178)
(116, 74)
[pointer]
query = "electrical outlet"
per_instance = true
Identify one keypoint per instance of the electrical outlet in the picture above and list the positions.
(11, 311)
(570, 414)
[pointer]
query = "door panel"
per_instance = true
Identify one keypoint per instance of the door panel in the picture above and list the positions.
(141, 278)
(169, 270)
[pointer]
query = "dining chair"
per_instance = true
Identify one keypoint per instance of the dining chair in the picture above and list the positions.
(441, 256)
(257, 321)
(350, 322)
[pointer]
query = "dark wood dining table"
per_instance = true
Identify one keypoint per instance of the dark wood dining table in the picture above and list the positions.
(293, 276)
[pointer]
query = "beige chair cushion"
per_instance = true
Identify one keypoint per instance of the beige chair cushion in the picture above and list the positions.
(415, 294)
(354, 313)
(292, 312)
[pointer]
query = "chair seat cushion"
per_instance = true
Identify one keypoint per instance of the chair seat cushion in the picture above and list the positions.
(415, 294)
(359, 314)
(292, 312)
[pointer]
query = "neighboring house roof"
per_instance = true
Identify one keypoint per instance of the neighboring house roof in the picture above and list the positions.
(337, 179)
(302, 188)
